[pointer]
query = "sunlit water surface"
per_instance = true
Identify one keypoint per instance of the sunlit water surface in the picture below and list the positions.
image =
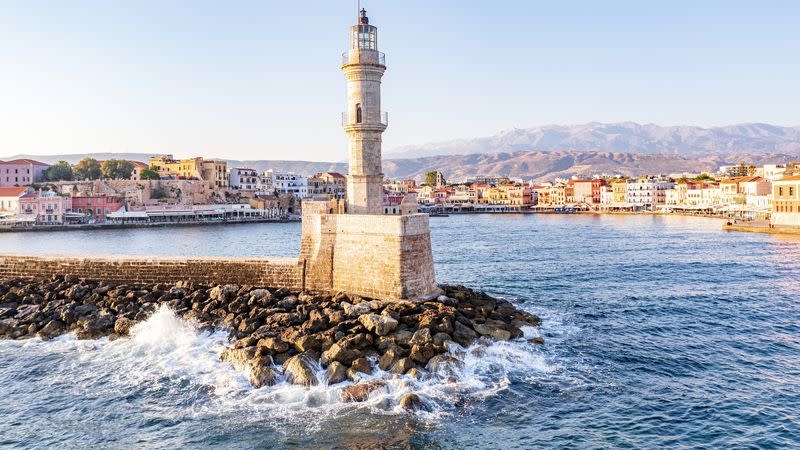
(660, 332)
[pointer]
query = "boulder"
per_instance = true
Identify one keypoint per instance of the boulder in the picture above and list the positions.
(52, 329)
(360, 392)
(339, 354)
(262, 375)
(388, 358)
(359, 365)
(222, 293)
(422, 336)
(402, 365)
(493, 328)
(378, 324)
(445, 365)
(538, 340)
(299, 369)
(422, 353)
(336, 373)
(123, 326)
(308, 342)
(463, 334)
(357, 309)
(239, 358)
(261, 294)
(272, 345)
(411, 402)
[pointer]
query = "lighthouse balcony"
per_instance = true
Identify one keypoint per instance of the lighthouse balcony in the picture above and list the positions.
(363, 56)
(349, 120)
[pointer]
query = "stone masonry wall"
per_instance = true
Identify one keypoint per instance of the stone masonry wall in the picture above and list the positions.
(274, 272)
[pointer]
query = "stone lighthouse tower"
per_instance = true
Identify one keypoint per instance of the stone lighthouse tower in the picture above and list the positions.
(365, 251)
(363, 121)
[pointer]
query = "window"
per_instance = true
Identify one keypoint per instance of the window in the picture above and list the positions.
(358, 112)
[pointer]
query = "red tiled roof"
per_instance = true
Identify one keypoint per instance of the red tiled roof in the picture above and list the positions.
(26, 161)
(12, 191)
(139, 164)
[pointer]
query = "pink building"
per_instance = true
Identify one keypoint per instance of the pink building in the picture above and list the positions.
(43, 207)
(95, 206)
(21, 172)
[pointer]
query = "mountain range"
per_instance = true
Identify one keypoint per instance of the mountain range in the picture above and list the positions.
(542, 153)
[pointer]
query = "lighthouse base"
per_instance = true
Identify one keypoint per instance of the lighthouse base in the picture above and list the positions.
(377, 256)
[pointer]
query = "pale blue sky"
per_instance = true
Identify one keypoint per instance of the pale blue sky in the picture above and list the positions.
(260, 79)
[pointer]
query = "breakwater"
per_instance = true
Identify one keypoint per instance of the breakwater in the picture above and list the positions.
(277, 334)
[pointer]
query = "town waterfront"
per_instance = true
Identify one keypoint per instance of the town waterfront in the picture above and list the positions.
(659, 331)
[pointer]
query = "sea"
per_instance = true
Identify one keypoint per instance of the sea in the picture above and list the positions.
(660, 332)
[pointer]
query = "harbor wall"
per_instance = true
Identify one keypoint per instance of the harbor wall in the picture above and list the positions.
(272, 272)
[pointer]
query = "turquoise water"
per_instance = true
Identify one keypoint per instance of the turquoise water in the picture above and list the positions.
(660, 332)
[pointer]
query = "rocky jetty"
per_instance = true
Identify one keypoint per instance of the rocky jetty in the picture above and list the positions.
(275, 331)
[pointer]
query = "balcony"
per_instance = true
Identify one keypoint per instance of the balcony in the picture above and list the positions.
(349, 120)
(373, 57)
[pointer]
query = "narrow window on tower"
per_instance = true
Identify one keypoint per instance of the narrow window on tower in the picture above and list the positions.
(358, 112)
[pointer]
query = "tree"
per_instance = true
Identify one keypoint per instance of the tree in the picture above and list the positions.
(116, 169)
(88, 169)
(149, 174)
(59, 172)
(704, 177)
(432, 176)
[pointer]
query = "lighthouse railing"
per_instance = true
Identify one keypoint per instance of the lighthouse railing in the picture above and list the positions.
(364, 57)
(350, 119)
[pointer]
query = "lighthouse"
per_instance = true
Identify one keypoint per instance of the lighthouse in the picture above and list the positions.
(363, 120)
(365, 252)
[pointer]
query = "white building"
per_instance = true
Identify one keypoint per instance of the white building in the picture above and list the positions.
(284, 183)
(9, 200)
(773, 172)
(244, 179)
(648, 191)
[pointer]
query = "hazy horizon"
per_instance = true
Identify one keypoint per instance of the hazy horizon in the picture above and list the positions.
(260, 80)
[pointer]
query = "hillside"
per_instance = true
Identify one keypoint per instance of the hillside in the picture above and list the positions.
(622, 137)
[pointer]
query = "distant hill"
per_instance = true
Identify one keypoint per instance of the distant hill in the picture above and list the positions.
(628, 137)
(527, 165)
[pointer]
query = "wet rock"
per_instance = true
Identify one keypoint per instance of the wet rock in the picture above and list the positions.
(339, 354)
(239, 358)
(378, 324)
(463, 334)
(51, 329)
(402, 365)
(493, 328)
(446, 365)
(359, 365)
(411, 402)
(308, 343)
(416, 373)
(262, 375)
(123, 326)
(299, 370)
(360, 392)
(272, 345)
(222, 293)
(422, 353)
(388, 358)
(537, 340)
(336, 373)
(84, 310)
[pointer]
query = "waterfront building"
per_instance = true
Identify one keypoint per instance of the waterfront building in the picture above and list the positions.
(285, 183)
(9, 200)
(21, 172)
(213, 171)
(94, 207)
(786, 201)
(705, 196)
(587, 191)
(244, 179)
(606, 195)
(620, 190)
(648, 191)
(773, 172)
(738, 170)
(43, 208)
(330, 184)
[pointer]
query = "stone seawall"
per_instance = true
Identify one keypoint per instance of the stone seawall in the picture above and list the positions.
(272, 272)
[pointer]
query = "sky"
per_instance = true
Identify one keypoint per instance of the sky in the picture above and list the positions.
(260, 79)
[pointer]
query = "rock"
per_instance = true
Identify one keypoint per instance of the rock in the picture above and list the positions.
(388, 358)
(422, 353)
(463, 334)
(339, 354)
(493, 328)
(440, 339)
(360, 392)
(402, 365)
(261, 294)
(308, 343)
(239, 358)
(422, 336)
(51, 329)
(272, 345)
(336, 373)
(123, 326)
(222, 293)
(445, 365)
(416, 373)
(537, 340)
(356, 310)
(84, 310)
(378, 324)
(361, 365)
(411, 402)
(27, 312)
(262, 375)
(299, 369)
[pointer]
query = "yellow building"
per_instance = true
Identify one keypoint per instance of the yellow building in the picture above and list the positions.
(215, 172)
(619, 189)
